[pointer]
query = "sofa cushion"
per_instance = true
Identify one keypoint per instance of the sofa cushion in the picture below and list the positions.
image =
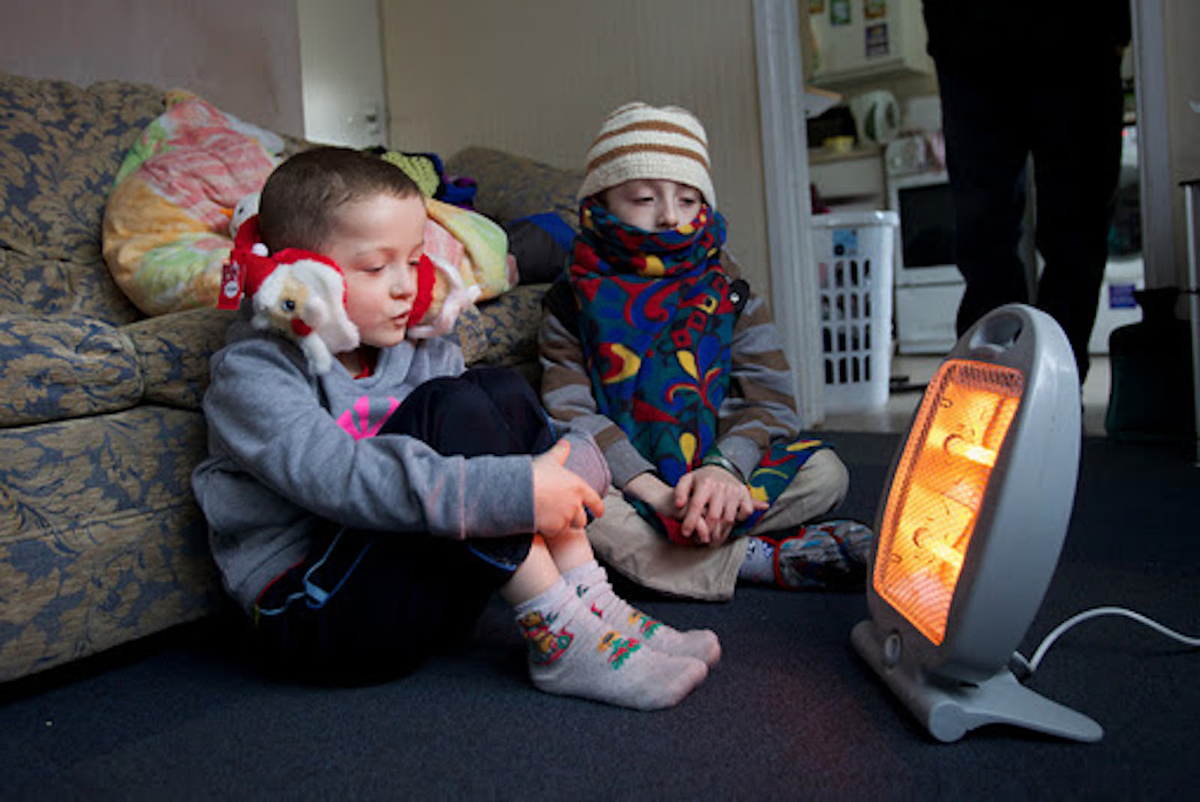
(174, 350)
(54, 368)
(101, 540)
(36, 285)
(512, 187)
(60, 147)
(503, 331)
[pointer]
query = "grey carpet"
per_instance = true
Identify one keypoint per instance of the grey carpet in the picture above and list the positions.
(790, 713)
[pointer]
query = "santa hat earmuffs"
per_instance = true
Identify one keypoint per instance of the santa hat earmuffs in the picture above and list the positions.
(426, 274)
(301, 294)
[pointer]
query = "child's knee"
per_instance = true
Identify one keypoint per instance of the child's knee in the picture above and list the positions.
(828, 479)
(506, 390)
(500, 382)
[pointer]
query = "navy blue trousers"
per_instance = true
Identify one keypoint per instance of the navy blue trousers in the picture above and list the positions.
(1071, 125)
(366, 606)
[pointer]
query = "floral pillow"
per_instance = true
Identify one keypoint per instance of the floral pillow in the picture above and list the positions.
(166, 225)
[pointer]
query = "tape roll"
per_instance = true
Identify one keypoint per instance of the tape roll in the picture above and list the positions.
(876, 116)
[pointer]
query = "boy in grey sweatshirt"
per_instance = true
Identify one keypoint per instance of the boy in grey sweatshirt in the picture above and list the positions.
(362, 509)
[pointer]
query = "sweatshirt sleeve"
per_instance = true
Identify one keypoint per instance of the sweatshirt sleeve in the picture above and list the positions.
(265, 418)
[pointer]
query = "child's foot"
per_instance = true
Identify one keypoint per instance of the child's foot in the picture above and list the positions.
(831, 555)
(594, 590)
(573, 653)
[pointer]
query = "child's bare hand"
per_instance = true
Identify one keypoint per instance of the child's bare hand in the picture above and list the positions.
(561, 498)
(655, 492)
(713, 500)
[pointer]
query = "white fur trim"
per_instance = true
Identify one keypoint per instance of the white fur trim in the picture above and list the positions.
(323, 310)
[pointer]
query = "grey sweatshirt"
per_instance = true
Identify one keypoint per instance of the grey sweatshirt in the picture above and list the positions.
(290, 452)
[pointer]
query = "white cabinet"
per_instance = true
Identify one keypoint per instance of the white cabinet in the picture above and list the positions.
(849, 181)
(860, 39)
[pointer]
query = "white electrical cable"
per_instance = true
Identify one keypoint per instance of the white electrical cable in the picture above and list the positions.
(1031, 664)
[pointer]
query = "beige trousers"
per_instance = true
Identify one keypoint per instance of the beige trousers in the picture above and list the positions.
(636, 550)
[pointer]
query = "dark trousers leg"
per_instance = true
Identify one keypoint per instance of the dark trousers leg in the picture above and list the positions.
(1077, 159)
(365, 606)
(986, 154)
(1072, 127)
(484, 411)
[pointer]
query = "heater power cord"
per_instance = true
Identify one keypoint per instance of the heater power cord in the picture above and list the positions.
(1025, 668)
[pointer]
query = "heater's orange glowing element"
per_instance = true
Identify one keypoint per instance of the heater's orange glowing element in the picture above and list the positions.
(939, 487)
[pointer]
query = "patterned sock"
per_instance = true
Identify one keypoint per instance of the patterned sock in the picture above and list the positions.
(759, 565)
(594, 590)
(831, 555)
(573, 653)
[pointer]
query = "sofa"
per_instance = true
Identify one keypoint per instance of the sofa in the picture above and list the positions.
(101, 542)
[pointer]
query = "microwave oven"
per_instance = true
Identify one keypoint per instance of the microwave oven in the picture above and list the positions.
(925, 239)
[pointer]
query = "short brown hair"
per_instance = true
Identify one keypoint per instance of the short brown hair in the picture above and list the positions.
(301, 197)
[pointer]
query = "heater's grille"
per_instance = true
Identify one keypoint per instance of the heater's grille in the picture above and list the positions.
(939, 488)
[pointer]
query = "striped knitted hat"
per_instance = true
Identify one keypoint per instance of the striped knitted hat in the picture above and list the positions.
(649, 142)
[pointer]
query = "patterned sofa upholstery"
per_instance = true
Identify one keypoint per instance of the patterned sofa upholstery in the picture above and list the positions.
(101, 541)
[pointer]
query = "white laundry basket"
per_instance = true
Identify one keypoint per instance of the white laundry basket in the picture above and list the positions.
(854, 252)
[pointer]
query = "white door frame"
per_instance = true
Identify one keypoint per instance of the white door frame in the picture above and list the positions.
(794, 298)
(1158, 193)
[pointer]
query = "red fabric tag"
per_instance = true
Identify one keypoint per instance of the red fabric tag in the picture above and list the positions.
(230, 295)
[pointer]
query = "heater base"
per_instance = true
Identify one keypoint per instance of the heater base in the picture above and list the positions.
(949, 710)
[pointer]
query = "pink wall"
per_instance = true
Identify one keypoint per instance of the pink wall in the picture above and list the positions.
(242, 55)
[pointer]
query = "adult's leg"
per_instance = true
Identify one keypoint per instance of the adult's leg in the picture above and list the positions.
(1077, 161)
(986, 153)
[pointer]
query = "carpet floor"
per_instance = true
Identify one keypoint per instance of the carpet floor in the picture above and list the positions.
(791, 712)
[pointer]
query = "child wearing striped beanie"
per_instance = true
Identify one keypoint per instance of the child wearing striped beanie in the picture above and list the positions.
(638, 141)
(654, 345)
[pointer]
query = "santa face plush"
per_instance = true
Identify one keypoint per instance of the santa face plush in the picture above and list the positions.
(302, 298)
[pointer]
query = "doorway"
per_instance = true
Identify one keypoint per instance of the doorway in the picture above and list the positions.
(342, 75)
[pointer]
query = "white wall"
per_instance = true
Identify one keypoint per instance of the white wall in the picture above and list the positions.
(537, 77)
(241, 56)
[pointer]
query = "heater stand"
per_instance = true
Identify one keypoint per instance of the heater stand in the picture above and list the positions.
(949, 710)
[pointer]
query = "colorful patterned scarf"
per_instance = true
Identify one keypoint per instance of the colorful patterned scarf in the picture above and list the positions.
(656, 323)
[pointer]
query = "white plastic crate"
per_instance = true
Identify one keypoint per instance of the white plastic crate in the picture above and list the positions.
(854, 252)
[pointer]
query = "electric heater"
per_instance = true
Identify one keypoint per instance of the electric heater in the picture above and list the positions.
(972, 522)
